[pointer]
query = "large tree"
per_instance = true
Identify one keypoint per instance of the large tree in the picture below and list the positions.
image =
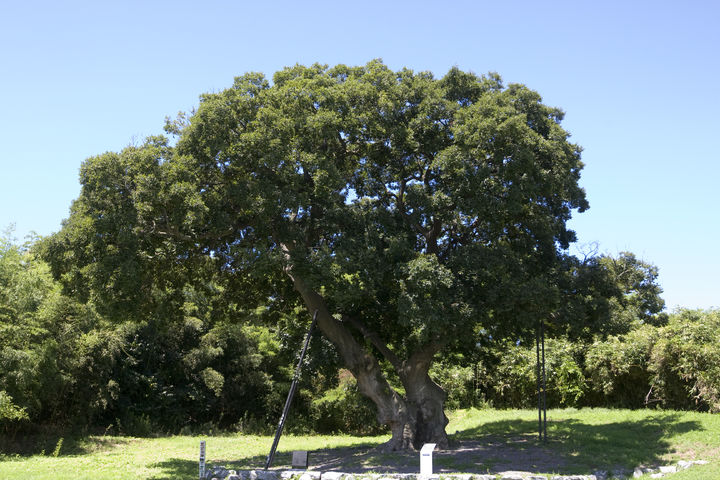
(414, 214)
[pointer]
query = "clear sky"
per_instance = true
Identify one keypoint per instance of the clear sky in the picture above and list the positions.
(639, 82)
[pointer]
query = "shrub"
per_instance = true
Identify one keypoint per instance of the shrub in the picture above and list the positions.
(513, 383)
(685, 362)
(617, 369)
(344, 409)
(459, 383)
(10, 414)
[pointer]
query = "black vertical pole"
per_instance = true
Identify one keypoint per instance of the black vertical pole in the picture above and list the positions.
(537, 351)
(544, 380)
(293, 387)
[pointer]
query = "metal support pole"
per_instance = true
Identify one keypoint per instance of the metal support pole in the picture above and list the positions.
(538, 373)
(544, 381)
(293, 387)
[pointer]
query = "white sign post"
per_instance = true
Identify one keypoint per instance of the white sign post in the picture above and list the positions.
(426, 460)
(202, 460)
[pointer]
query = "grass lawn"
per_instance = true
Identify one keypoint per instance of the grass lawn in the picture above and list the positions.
(579, 440)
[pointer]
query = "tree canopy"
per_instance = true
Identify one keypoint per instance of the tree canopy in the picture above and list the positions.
(415, 214)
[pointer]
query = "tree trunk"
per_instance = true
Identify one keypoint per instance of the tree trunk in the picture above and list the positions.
(422, 420)
(426, 400)
(414, 420)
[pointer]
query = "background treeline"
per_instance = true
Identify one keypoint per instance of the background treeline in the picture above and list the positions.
(192, 360)
(674, 366)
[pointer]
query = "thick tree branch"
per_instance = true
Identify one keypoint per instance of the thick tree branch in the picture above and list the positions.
(375, 340)
(432, 235)
(422, 357)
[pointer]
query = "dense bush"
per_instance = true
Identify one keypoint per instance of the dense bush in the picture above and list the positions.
(513, 382)
(190, 362)
(10, 414)
(673, 366)
(676, 365)
(618, 369)
(344, 409)
(459, 381)
(685, 362)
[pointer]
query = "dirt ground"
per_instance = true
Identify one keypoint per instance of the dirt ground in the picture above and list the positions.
(488, 456)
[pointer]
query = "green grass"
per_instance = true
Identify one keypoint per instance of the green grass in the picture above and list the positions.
(590, 439)
(584, 439)
(121, 458)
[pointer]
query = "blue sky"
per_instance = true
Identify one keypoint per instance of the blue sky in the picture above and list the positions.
(638, 82)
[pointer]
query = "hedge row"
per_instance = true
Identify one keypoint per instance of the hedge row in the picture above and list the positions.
(672, 366)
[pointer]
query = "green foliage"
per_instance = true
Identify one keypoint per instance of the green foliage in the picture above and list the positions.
(10, 414)
(416, 207)
(343, 409)
(673, 366)
(685, 361)
(459, 381)
(605, 295)
(513, 382)
(368, 177)
(188, 361)
(670, 366)
(640, 302)
(58, 447)
(618, 369)
(424, 215)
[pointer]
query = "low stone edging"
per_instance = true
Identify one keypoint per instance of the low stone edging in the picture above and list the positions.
(221, 473)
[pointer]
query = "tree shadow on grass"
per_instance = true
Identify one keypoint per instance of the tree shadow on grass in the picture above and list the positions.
(174, 468)
(58, 444)
(573, 447)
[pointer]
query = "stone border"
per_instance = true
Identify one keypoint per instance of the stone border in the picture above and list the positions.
(221, 473)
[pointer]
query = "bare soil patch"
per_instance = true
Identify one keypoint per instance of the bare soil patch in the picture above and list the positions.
(491, 455)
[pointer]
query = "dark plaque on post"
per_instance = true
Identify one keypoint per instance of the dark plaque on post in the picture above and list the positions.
(300, 459)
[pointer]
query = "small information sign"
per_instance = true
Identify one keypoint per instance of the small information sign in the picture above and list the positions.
(300, 459)
(426, 467)
(202, 460)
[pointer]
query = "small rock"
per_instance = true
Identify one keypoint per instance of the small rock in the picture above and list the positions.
(331, 475)
(601, 474)
(637, 473)
(264, 475)
(684, 464)
(368, 477)
(668, 469)
(511, 476)
(622, 471)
